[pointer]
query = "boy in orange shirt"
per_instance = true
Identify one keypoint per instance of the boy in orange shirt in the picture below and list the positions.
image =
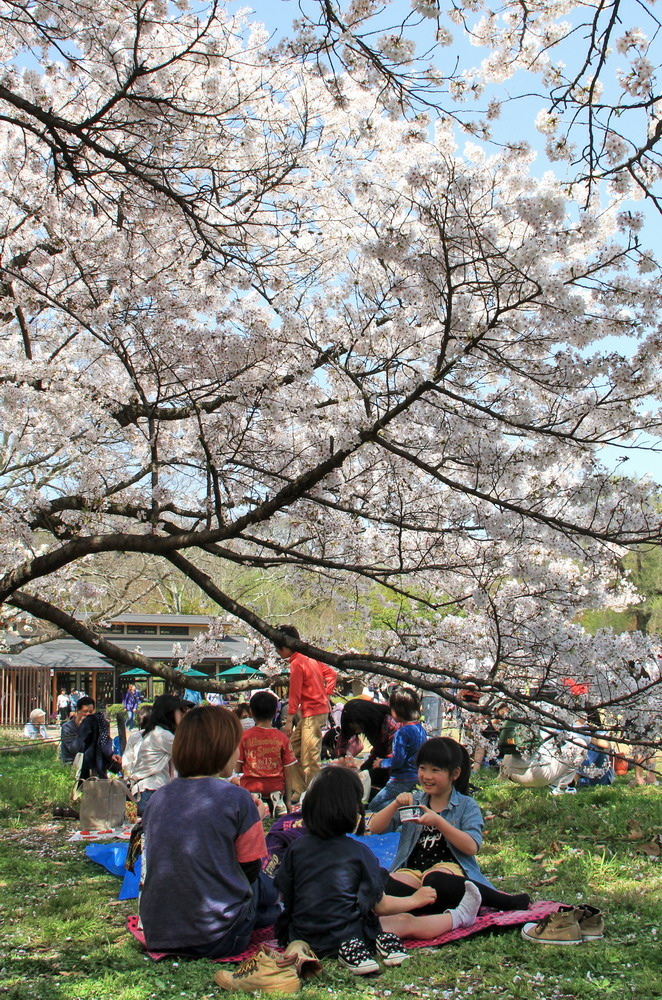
(311, 685)
(266, 757)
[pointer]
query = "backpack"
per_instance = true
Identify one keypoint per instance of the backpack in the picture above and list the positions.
(515, 738)
(102, 803)
(620, 764)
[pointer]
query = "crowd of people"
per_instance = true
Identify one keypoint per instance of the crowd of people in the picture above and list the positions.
(208, 776)
(329, 889)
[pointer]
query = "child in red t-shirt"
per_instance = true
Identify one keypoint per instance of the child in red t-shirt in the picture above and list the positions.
(265, 756)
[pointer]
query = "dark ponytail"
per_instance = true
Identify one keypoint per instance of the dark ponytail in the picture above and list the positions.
(447, 755)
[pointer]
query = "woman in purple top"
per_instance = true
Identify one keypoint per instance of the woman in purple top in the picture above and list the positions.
(204, 843)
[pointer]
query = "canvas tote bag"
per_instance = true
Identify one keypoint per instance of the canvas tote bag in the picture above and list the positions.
(102, 803)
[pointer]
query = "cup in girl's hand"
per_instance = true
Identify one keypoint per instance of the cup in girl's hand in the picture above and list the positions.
(407, 813)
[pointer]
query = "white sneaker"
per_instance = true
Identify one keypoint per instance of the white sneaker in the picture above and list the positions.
(277, 804)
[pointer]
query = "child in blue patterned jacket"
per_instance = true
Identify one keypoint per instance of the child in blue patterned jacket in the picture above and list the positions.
(408, 740)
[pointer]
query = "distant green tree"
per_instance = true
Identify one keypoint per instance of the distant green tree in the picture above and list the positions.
(644, 569)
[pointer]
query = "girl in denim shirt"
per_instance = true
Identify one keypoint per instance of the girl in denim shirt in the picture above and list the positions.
(438, 848)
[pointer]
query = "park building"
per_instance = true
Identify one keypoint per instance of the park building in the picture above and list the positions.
(33, 677)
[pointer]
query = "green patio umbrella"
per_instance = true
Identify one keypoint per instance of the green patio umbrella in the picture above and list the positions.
(191, 672)
(241, 670)
(136, 672)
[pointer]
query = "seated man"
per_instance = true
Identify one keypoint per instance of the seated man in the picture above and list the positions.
(554, 763)
(72, 737)
(36, 727)
(87, 732)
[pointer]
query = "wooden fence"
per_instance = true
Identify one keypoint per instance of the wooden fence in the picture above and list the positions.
(21, 690)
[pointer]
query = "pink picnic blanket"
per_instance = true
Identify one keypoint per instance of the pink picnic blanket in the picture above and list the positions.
(263, 935)
(486, 918)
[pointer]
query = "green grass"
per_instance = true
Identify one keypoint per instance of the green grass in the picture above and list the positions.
(63, 931)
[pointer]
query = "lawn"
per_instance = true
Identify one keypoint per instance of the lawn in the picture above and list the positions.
(63, 931)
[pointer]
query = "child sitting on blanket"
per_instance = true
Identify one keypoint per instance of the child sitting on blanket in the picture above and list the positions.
(332, 890)
(204, 843)
(438, 848)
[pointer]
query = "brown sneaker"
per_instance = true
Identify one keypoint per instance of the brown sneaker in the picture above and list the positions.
(590, 921)
(556, 928)
(266, 971)
(307, 962)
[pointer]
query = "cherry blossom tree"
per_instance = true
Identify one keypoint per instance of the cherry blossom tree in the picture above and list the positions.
(260, 309)
(590, 72)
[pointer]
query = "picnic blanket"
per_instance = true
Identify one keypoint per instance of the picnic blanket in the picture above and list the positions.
(113, 856)
(119, 833)
(261, 936)
(490, 919)
(383, 845)
(487, 919)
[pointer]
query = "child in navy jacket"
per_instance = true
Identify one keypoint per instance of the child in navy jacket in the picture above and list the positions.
(408, 740)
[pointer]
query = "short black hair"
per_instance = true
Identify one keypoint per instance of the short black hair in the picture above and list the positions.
(334, 803)
(263, 705)
(447, 755)
(287, 630)
(405, 703)
(85, 700)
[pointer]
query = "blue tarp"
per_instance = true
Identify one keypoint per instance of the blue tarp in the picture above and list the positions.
(383, 845)
(113, 856)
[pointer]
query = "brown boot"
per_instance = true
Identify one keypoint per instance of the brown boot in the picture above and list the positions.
(591, 923)
(308, 964)
(267, 971)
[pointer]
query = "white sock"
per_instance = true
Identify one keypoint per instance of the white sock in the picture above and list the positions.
(466, 911)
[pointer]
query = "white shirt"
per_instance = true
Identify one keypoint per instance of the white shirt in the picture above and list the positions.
(152, 766)
(131, 749)
(31, 731)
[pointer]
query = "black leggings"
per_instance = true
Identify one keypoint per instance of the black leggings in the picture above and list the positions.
(450, 890)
